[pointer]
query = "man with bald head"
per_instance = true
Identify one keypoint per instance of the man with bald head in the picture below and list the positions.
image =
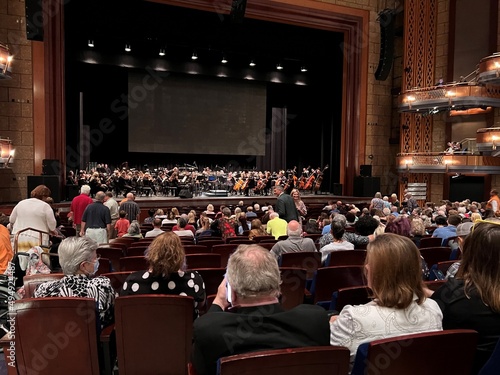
(96, 220)
(131, 208)
(295, 242)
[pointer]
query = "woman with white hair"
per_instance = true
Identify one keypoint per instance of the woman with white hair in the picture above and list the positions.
(134, 230)
(80, 262)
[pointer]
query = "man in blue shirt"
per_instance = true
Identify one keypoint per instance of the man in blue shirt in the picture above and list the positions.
(448, 231)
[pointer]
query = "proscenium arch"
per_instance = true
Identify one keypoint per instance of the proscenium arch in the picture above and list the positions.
(49, 100)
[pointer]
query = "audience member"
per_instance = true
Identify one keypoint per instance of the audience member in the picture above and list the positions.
(257, 229)
(33, 213)
(166, 273)
(78, 206)
(79, 262)
(156, 231)
(338, 242)
(134, 230)
(295, 242)
(181, 229)
(122, 224)
(131, 208)
(96, 220)
(285, 206)
(463, 230)
(449, 230)
(472, 299)
(299, 205)
(276, 226)
(114, 210)
(257, 320)
(6, 252)
(226, 225)
(399, 305)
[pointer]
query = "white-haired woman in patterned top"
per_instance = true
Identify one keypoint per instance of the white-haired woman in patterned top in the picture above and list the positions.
(167, 273)
(79, 262)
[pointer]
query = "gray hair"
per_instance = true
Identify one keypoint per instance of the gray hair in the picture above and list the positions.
(75, 250)
(85, 189)
(339, 218)
(134, 228)
(100, 195)
(273, 215)
(253, 271)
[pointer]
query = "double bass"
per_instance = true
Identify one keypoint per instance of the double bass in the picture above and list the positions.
(319, 179)
(310, 181)
(303, 179)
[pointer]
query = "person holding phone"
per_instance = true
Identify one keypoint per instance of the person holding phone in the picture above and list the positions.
(254, 319)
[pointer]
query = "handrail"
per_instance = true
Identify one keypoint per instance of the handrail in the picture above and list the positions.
(41, 233)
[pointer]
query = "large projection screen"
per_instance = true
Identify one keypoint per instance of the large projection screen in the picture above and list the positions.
(188, 114)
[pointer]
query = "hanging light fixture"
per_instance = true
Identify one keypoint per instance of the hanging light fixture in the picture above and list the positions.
(91, 43)
(194, 56)
(303, 69)
(127, 47)
(252, 63)
(5, 62)
(224, 59)
(162, 52)
(279, 66)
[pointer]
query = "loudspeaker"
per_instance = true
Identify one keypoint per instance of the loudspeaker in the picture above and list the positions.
(337, 189)
(366, 186)
(185, 193)
(51, 167)
(386, 19)
(52, 182)
(365, 170)
(71, 192)
(238, 8)
(34, 20)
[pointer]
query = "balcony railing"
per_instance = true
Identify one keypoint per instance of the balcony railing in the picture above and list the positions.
(440, 162)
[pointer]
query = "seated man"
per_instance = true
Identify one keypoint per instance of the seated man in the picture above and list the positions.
(257, 320)
(295, 242)
(156, 229)
(276, 226)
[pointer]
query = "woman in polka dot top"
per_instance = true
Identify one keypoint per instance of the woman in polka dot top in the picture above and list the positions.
(166, 273)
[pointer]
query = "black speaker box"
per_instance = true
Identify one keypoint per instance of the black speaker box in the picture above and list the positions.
(51, 167)
(238, 8)
(366, 186)
(387, 31)
(34, 20)
(337, 189)
(185, 193)
(52, 182)
(72, 191)
(365, 170)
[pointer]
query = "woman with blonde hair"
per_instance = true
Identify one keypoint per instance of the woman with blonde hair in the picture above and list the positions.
(166, 273)
(399, 306)
(475, 216)
(299, 204)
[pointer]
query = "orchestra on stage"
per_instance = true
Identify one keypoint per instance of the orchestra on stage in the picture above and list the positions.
(197, 181)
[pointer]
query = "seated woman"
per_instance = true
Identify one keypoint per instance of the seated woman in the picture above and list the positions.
(257, 229)
(134, 230)
(166, 273)
(79, 263)
(472, 298)
(399, 305)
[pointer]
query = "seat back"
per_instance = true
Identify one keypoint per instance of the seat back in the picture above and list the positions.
(212, 277)
(194, 261)
(430, 242)
(293, 284)
(330, 279)
(137, 263)
(443, 266)
(195, 249)
(420, 353)
(353, 295)
(224, 250)
(332, 360)
(113, 254)
(493, 364)
(346, 258)
(267, 244)
(310, 261)
(136, 251)
(56, 335)
(211, 242)
(153, 333)
(239, 240)
(32, 281)
(262, 237)
(434, 255)
(117, 279)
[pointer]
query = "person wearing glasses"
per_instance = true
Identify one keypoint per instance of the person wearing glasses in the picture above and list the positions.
(80, 262)
(471, 299)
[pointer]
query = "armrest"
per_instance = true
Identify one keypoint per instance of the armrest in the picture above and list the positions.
(108, 345)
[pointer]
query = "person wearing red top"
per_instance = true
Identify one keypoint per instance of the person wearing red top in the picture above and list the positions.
(122, 224)
(78, 205)
(187, 227)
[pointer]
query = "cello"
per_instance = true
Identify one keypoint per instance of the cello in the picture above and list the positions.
(303, 179)
(310, 181)
(319, 180)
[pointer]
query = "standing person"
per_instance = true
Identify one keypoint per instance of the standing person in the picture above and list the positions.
(131, 208)
(96, 220)
(494, 201)
(122, 224)
(276, 226)
(471, 299)
(411, 203)
(399, 305)
(114, 210)
(257, 320)
(33, 213)
(285, 205)
(6, 252)
(299, 205)
(295, 242)
(78, 206)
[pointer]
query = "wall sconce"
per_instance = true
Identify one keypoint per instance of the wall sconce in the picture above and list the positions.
(494, 140)
(5, 62)
(6, 152)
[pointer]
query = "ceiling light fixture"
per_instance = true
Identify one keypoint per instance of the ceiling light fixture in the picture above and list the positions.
(194, 56)
(279, 66)
(303, 69)
(252, 63)
(224, 59)
(5, 62)
(162, 52)
(91, 43)
(127, 47)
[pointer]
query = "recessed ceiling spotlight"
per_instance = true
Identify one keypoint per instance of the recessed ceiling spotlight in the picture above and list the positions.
(127, 48)
(252, 63)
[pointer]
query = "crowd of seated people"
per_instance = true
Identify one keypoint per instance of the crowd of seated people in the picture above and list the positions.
(390, 236)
